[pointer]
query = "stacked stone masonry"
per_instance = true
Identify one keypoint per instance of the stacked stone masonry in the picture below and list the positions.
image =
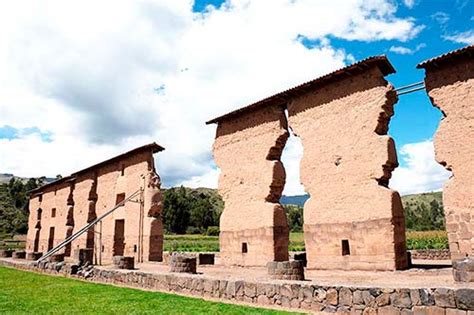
(430, 254)
(182, 263)
(296, 295)
(59, 209)
(286, 270)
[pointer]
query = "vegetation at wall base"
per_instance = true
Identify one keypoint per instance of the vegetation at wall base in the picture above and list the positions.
(24, 292)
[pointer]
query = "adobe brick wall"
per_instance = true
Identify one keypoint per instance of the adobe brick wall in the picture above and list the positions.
(347, 163)
(90, 194)
(451, 89)
(247, 150)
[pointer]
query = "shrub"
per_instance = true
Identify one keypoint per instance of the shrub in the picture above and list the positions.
(193, 230)
(212, 231)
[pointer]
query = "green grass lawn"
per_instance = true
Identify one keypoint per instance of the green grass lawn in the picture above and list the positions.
(23, 292)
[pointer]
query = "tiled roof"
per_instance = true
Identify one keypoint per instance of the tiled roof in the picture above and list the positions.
(153, 147)
(447, 58)
(281, 98)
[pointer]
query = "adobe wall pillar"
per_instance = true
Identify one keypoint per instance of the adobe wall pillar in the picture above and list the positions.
(92, 214)
(352, 220)
(153, 224)
(449, 82)
(247, 149)
(69, 219)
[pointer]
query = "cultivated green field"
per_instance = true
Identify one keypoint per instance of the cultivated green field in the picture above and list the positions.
(200, 243)
(24, 292)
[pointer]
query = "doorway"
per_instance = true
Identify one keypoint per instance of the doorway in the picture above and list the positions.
(119, 238)
(37, 239)
(51, 238)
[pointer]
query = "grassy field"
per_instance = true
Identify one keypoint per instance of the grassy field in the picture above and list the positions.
(24, 292)
(199, 243)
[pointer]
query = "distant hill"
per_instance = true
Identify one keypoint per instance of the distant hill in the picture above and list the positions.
(6, 177)
(294, 200)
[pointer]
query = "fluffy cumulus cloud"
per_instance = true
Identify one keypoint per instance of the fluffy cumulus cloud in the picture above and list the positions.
(103, 77)
(419, 171)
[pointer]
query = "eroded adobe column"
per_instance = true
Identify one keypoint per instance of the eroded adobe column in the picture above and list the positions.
(153, 225)
(352, 220)
(247, 149)
(450, 84)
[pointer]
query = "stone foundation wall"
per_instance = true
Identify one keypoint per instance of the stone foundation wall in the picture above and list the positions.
(431, 254)
(296, 295)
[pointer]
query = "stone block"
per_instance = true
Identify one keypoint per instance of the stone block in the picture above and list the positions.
(19, 254)
(124, 262)
(463, 270)
(34, 255)
(444, 298)
(84, 255)
(464, 299)
(56, 258)
(6, 253)
(182, 263)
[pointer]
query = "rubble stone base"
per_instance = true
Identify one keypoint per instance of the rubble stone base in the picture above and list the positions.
(286, 270)
(463, 270)
(182, 263)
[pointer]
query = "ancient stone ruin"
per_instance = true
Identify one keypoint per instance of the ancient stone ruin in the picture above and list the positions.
(59, 209)
(450, 84)
(352, 221)
(248, 147)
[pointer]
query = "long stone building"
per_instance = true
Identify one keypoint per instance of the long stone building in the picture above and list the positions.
(352, 220)
(60, 208)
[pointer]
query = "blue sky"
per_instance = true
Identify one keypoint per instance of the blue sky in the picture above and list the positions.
(81, 92)
(415, 118)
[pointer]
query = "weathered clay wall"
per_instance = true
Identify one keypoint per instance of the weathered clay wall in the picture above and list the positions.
(95, 192)
(247, 149)
(346, 166)
(451, 88)
(34, 225)
(53, 198)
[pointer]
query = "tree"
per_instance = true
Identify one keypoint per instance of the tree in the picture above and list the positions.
(176, 210)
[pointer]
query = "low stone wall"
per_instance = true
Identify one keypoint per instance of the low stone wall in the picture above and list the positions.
(431, 254)
(289, 294)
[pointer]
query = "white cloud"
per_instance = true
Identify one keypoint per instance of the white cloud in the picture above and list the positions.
(421, 173)
(441, 17)
(409, 3)
(104, 77)
(405, 50)
(291, 159)
(466, 37)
